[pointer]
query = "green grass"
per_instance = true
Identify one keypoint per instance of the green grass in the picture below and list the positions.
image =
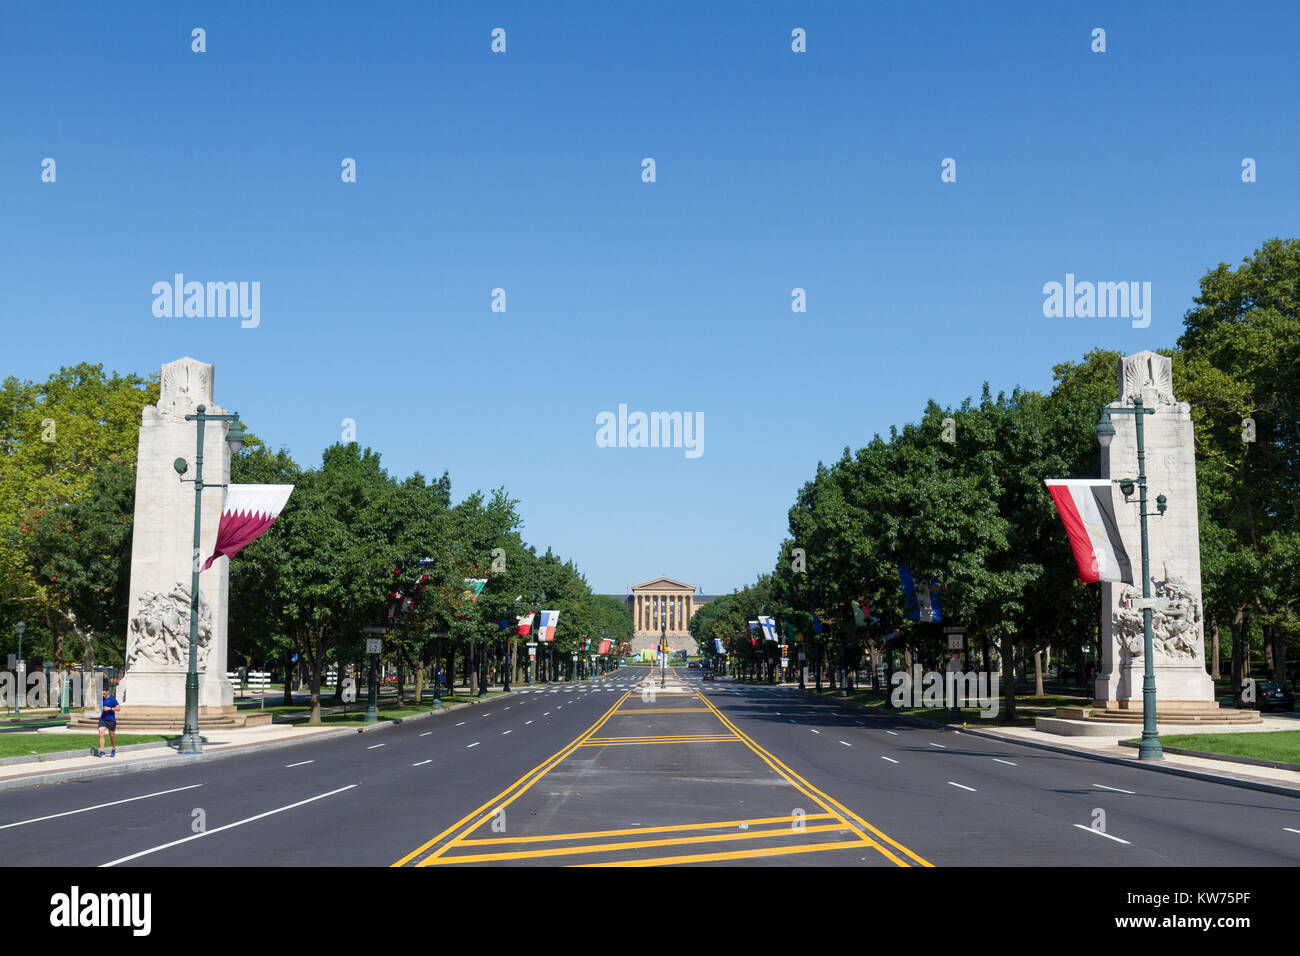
(1280, 745)
(23, 745)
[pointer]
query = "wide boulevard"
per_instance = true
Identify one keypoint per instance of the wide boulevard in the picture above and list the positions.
(622, 771)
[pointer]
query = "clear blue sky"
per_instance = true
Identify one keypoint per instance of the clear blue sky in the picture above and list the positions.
(522, 170)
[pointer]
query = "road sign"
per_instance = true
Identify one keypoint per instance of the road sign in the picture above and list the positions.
(802, 655)
(374, 630)
(531, 644)
(955, 642)
(374, 645)
(954, 630)
(785, 662)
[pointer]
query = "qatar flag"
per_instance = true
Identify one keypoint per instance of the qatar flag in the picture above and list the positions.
(249, 510)
(1088, 513)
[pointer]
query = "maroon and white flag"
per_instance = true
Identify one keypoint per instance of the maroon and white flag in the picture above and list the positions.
(249, 510)
(1088, 513)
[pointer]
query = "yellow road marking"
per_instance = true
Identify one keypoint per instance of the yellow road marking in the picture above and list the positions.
(733, 855)
(812, 791)
(659, 737)
(593, 834)
(631, 845)
(667, 710)
(645, 743)
(532, 777)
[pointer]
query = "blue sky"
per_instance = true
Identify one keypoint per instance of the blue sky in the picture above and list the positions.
(522, 171)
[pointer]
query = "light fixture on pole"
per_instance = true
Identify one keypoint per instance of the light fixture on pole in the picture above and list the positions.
(1149, 748)
(190, 742)
(20, 627)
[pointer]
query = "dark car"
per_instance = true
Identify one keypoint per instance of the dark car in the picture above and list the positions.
(708, 673)
(1270, 696)
(693, 664)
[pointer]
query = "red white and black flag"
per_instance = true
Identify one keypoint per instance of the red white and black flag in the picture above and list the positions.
(249, 510)
(1088, 513)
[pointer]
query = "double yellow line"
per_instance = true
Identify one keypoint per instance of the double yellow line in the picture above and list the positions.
(507, 795)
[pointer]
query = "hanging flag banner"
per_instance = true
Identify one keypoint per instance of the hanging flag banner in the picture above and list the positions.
(817, 624)
(923, 602)
(861, 613)
(248, 511)
(1087, 510)
(473, 588)
(525, 624)
(546, 627)
(717, 645)
(604, 646)
(769, 627)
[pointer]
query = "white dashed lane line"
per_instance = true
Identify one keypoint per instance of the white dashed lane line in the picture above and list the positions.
(890, 759)
(962, 785)
(300, 763)
(461, 724)
(846, 743)
(815, 731)
(1102, 786)
(504, 732)
(890, 732)
(426, 733)
(100, 806)
(1100, 833)
(940, 746)
(474, 744)
(373, 746)
(1007, 762)
(422, 763)
(527, 722)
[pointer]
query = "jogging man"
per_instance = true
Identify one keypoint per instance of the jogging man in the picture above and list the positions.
(108, 721)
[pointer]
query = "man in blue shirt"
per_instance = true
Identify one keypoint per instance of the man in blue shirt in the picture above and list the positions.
(108, 721)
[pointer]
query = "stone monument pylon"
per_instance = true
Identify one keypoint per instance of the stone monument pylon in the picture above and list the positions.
(158, 623)
(1183, 688)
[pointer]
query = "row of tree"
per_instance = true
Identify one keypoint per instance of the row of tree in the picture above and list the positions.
(967, 506)
(348, 539)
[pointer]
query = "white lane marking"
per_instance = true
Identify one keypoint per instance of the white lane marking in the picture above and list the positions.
(474, 744)
(99, 806)
(561, 707)
(940, 746)
(1102, 786)
(547, 714)
(1289, 830)
(815, 731)
(372, 747)
(962, 785)
(426, 733)
(527, 722)
(422, 762)
(507, 708)
(846, 744)
(1099, 833)
(890, 759)
(228, 826)
(891, 732)
(1007, 762)
(504, 732)
(300, 763)
(461, 724)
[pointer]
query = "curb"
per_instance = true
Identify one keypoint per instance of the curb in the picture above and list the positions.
(1143, 765)
(66, 754)
(169, 760)
(1231, 758)
(1110, 758)
(153, 763)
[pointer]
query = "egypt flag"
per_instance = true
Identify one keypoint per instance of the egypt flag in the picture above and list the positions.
(1088, 513)
(546, 627)
(249, 510)
(525, 624)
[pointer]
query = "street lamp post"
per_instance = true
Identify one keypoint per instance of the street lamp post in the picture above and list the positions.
(437, 672)
(190, 742)
(1150, 748)
(20, 627)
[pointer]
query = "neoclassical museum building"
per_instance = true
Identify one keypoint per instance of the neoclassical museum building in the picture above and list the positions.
(659, 602)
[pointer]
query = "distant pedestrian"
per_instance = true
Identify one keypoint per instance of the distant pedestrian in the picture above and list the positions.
(108, 721)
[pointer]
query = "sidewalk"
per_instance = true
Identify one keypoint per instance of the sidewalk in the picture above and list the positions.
(1271, 779)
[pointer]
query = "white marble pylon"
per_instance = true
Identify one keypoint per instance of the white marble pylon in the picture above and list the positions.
(158, 621)
(1178, 630)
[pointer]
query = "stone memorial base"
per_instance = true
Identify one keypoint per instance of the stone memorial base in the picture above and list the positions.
(1114, 717)
(152, 720)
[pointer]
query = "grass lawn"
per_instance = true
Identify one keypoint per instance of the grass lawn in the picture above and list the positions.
(1280, 745)
(22, 745)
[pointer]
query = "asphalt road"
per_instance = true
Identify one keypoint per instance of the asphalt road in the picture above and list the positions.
(614, 772)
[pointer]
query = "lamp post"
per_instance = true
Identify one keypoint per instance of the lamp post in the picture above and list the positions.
(437, 672)
(663, 654)
(190, 742)
(20, 627)
(1150, 748)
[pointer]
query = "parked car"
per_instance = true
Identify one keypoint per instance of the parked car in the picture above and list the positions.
(1270, 696)
(693, 664)
(708, 673)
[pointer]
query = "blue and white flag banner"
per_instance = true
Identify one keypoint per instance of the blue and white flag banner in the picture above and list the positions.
(922, 603)
(769, 627)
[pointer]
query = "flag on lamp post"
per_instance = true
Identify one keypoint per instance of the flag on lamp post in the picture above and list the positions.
(246, 514)
(768, 625)
(546, 627)
(525, 624)
(1087, 510)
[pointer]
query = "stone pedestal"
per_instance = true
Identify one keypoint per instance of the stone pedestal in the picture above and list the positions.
(1178, 631)
(157, 644)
